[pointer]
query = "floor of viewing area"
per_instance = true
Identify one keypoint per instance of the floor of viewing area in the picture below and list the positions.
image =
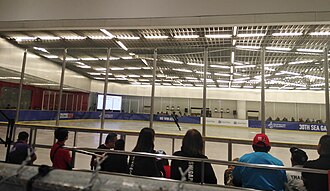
(213, 150)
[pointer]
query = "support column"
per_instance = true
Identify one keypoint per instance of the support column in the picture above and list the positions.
(20, 87)
(263, 116)
(326, 89)
(206, 58)
(105, 87)
(61, 89)
(241, 109)
(152, 104)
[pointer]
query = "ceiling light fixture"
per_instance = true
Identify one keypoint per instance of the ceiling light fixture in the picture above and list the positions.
(245, 66)
(232, 57)
(173, 61)
(128, 37)
(122, 45)
(100, 37)
(155, 37)
(323, 33)
(145, 62)
(107, 33)
(219, 66)
(50, 56)
(181, 70)
(235, 31)
(49, 38)
(288, 34)
(251, 35)
(218, 36)
(248, 47)
(186, 36)
(74, 37)
(117, 68)
(300, 62)
(309, 50)
(195, 64)
(278, 48)
(133, 68)
(24, 38)
(41, 49)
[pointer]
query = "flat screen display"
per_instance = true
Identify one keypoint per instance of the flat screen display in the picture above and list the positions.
(112, 103)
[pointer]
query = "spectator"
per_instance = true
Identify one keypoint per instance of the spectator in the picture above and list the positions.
(298, 159)
(109, 144)
(318, 182)
(144, 166)
(261, 179)
(192, 146)
(116, 162)
(228, 175)
(59, 156)
(19, 151)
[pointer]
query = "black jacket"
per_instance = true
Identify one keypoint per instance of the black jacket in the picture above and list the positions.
(195, 174)
(317, 182)
(115, 163)
(144, 166)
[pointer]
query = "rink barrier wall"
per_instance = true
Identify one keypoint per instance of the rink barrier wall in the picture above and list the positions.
(37, 115)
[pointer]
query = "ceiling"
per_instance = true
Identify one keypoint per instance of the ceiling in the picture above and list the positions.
(293, 60)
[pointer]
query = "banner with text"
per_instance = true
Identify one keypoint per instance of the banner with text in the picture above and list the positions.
(289, 126)
(226, 122)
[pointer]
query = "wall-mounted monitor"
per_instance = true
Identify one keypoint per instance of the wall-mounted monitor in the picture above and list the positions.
(113, 102)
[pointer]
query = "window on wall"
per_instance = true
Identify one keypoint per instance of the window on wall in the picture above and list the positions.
(9, 98)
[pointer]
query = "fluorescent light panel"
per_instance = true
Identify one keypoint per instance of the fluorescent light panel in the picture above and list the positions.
(324, 33)
(186, 36)
(278, 48)
(107, 33)
(155, 37)
(122, 45)
(218, 36)
(288, 34)
(173, 61)
(251, 35)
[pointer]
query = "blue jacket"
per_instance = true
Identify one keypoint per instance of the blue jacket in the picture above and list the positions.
(261, 179)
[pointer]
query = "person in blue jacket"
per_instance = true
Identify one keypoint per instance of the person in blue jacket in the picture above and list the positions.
(256, 178)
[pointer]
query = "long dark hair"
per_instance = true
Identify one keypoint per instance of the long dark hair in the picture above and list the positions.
(145, 142)
(192, 142)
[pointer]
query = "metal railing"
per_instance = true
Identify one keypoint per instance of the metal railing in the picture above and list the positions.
(33, 128)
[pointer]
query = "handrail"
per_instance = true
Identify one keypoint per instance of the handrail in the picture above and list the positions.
(91, 151)
(165, 135)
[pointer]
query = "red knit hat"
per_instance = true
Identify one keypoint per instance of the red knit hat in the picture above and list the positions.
(261, 138)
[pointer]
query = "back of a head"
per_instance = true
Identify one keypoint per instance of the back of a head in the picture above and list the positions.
(298, 156)
(324, 145)
(192, 142)
(111, 137)
(61, 134)
(261, 143)
(145, 142)
(22, 136)
(120, 144)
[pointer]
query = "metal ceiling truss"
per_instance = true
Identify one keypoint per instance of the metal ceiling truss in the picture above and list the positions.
(294, 54)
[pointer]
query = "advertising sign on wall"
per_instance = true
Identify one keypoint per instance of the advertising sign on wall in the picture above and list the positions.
(226, 122)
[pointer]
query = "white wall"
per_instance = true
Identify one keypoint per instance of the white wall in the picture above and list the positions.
(284, 96)
(11, 57)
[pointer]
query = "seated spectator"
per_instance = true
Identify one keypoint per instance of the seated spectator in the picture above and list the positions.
(108, 144)
(308, 121)
(19, 151)
(269, 119)
(192, 146)
(116, 162)
(284, 119)
(277, 119)
(59, 156)
(298, 159)
(301, 120)
(228, 175)
(261, 179)
(318, 182)
(292, 119)
(144, 166)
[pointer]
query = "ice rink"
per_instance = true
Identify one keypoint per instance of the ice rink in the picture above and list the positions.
(213, 150)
